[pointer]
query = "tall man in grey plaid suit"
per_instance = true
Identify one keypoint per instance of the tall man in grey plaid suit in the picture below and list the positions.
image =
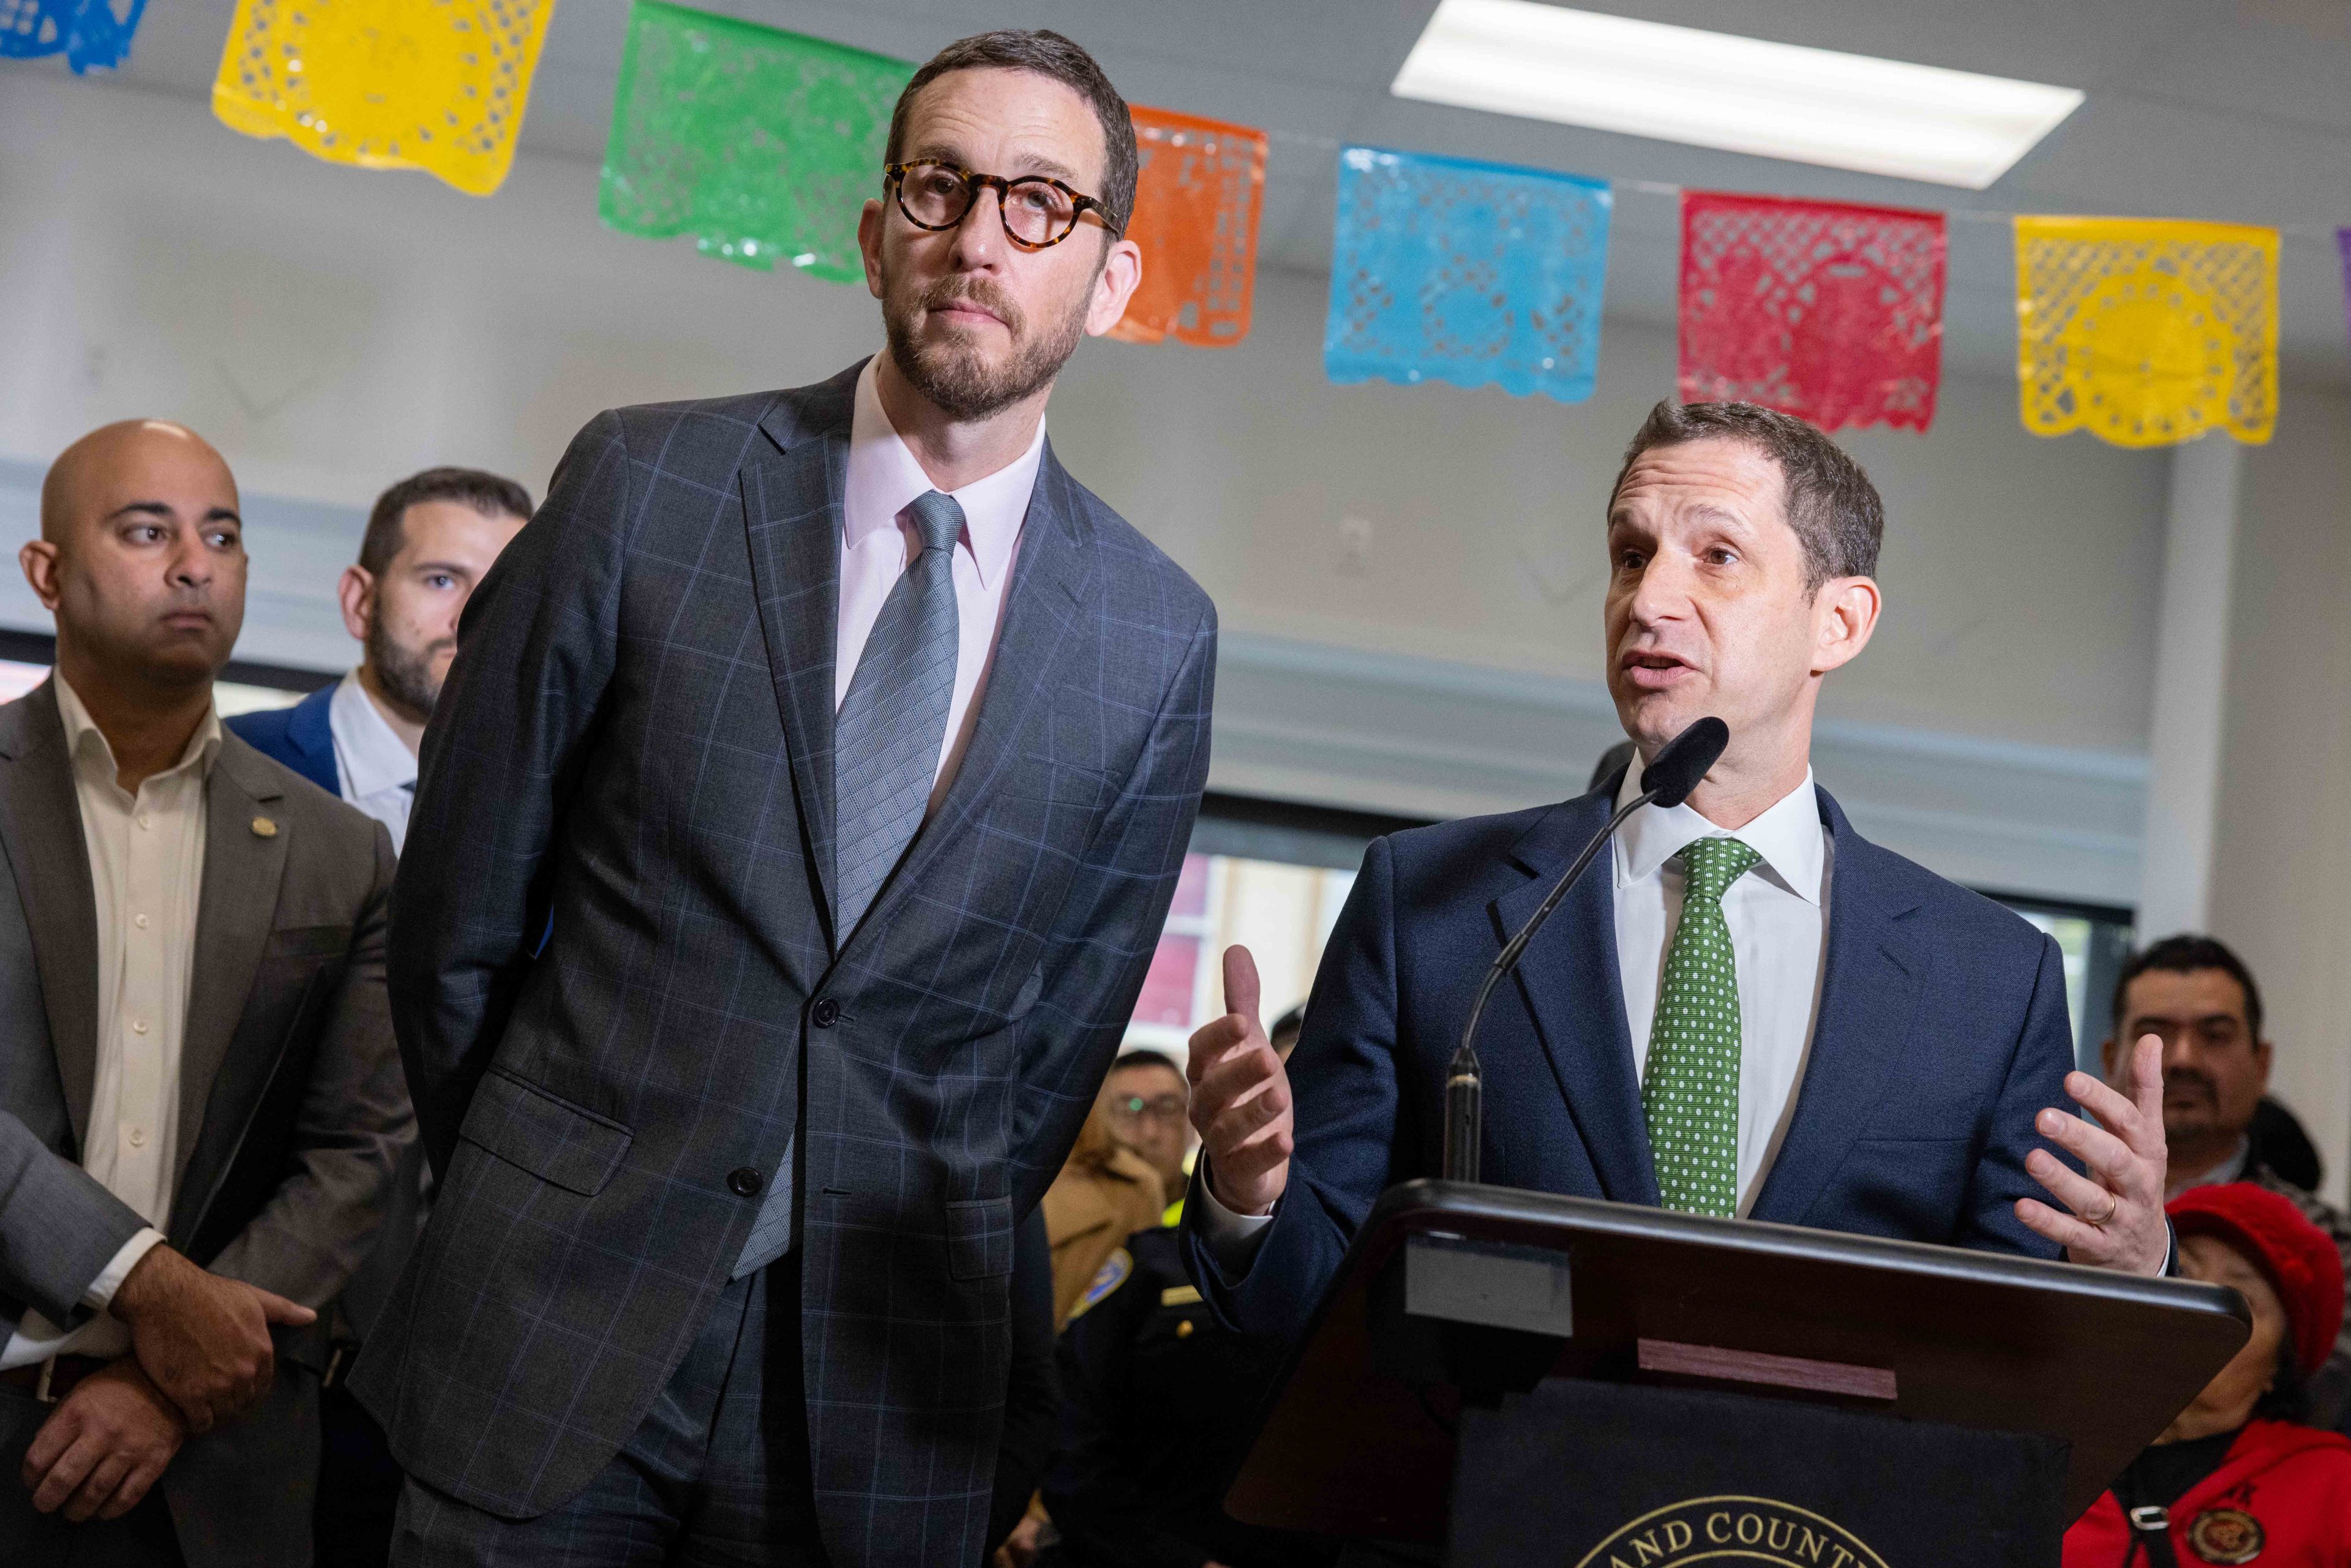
(853, 749)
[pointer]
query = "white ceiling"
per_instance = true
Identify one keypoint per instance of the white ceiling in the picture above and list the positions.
(2228, 110)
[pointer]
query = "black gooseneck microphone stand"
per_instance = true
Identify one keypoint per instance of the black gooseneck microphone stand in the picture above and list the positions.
(1675, 770)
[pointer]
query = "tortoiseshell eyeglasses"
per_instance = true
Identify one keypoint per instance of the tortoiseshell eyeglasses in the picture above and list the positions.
(1037, 211)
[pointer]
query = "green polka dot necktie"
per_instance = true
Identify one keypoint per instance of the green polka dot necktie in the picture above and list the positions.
(1690, 1095)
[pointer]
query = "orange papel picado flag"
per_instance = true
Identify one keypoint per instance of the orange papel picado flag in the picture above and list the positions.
(1196, 212)
(2146, 332)
(436, 85)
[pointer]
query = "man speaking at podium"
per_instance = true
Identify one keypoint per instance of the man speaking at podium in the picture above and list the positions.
(1751, 1010)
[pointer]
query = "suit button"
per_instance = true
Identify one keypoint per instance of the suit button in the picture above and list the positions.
(745, 1182)
(825, 1012)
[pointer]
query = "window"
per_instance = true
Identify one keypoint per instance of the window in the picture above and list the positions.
(2095, 941)
(1273, 877)
(1264, 873)
(1283, 913)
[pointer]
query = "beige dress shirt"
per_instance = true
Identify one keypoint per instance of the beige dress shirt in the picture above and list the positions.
(147, 873)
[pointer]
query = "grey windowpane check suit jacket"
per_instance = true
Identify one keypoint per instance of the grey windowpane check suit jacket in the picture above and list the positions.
(637, 739)
(292, 1112)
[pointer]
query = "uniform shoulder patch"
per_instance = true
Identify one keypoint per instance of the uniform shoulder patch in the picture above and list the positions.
(1113, 1273)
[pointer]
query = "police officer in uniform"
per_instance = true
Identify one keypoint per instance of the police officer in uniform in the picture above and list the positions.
(1157, 1404)
(1156, 1415)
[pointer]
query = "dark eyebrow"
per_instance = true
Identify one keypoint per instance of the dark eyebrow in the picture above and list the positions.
(1037, 165)
(2142, 1023)
(163, 509)
(452, 568)
(1051, 169)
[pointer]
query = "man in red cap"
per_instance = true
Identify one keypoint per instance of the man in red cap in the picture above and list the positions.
(2237, 1477)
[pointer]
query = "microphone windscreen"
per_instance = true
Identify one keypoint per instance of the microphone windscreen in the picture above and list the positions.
(1683, 761)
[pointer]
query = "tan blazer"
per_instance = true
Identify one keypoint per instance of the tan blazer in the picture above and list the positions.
(1105, 1194)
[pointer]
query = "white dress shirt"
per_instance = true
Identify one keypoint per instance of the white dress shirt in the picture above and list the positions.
(878, 539)
(377, 770)
(1778, 915)
(147, 873)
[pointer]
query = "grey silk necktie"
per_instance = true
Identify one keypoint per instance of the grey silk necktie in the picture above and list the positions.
(887, 738)
(885, 755)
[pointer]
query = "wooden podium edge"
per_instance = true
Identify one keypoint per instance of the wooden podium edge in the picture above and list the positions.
(1433, 1205)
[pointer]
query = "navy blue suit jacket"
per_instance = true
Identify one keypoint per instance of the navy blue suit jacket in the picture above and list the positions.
(298, 737)
(1942, 1030)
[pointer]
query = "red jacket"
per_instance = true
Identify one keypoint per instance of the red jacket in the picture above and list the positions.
(2293, 1482)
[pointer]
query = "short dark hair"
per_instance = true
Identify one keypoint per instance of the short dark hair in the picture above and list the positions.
(1147, 1058)
(1830, 502)
(1048, 54)
(2185, 954)
(487, 493)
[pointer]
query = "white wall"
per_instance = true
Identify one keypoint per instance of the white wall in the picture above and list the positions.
(2281, 853)
(331, 330)
(2006, 554)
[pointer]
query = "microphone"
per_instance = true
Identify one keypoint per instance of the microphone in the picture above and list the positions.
(1675, 770)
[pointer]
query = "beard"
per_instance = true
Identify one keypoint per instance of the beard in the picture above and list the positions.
(2192, 1108)
(958, 378)
(404, 674)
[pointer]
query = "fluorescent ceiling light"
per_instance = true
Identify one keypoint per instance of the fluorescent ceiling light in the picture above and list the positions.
(1744, 95)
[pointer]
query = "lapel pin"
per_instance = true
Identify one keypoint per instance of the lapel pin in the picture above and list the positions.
(262, 828)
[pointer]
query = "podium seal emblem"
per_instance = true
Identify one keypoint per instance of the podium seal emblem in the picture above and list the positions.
(2226, 1535)
(1752, 1529)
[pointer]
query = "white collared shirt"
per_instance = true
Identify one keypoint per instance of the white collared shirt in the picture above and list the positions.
(878, 539)
(147, 873)
(377, 770)
(1777, 916)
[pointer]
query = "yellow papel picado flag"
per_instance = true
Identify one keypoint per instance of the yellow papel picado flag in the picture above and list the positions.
(2145, 333)
(436, 85)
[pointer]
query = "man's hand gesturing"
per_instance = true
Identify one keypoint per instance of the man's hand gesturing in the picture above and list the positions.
(1240, 1098)
(2116, 1219)
(203, 1339)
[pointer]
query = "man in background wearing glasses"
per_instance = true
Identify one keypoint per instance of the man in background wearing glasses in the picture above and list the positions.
(853, 749)
(1146, 1095)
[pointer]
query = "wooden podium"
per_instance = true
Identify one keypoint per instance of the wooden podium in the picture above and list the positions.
(1458, 1299)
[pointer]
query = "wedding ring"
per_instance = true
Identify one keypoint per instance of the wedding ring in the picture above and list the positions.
(2112, 1203)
